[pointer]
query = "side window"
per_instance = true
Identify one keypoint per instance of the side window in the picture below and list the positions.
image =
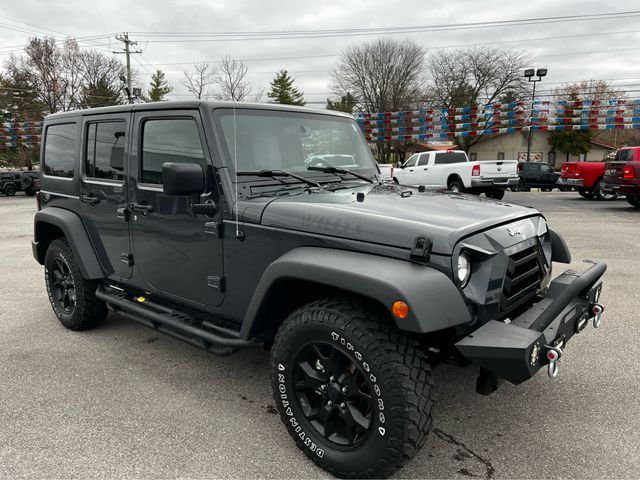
(105, 150)
(473, 156)
(424, 159)
(500, 155)
(169, 140)
(413, 159)
(546, 168)
(60, 150)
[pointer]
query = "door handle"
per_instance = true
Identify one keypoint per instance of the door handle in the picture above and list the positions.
(89, 199)
(426, 169)
(143, 209)
(122, 213)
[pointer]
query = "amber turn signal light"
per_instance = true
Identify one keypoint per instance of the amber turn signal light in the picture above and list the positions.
(400, 309)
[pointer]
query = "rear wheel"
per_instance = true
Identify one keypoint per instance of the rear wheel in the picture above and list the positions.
(354, 392)
(455, 186)
(10, 190)
(30, 192)
(546, 189)
(585, 192)
(72, 297)
(634, 200)
(602, 195)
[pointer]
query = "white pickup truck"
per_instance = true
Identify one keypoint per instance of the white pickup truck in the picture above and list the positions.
(452, 170)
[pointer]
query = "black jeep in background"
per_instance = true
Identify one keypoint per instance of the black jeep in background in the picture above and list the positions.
(223, 225)
(12, 182)
(536, 175)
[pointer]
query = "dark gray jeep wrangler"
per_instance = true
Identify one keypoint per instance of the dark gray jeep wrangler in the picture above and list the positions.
(234, 226)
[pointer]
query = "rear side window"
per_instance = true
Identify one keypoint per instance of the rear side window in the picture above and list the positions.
(624, 155)
(105, 150)
(444, 158)
(169, 140)
(60, 150)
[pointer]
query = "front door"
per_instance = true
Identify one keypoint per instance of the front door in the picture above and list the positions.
(103, 191)
(176, 253)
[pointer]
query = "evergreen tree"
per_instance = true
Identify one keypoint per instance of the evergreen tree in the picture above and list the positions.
(346, 103)
(283, 91)
(159, 87)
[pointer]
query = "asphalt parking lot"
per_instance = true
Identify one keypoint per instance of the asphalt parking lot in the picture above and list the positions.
(125, 401)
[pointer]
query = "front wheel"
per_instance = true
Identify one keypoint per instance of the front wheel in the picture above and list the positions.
(10, 190)
(634, 200)
(354, 392)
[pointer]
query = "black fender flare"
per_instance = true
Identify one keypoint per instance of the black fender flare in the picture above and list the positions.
(435, 303)
(73, 229)
(559, 248)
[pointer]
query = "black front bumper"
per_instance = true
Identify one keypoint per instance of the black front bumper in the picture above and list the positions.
(516, 350)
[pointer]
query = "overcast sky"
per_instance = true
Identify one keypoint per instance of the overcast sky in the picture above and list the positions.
(605, 55)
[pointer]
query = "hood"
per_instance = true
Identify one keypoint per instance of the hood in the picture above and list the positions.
(391, 215)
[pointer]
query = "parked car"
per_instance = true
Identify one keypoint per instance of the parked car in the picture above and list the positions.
(536, 175)
(622, 175)
(452, 170)
(204, 221)
(12, 182)
(386, 170)
(586, 177)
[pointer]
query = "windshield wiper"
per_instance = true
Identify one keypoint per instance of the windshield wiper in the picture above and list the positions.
(275, 174)
(337, 171)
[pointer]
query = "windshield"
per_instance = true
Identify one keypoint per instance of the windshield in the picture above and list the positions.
(293, 142)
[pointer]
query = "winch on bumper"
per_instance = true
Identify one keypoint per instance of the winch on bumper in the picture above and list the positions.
(516, 350)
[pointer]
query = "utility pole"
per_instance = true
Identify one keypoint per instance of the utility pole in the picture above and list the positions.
(124, 38)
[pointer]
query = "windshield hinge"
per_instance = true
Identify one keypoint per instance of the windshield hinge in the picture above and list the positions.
(421, 250)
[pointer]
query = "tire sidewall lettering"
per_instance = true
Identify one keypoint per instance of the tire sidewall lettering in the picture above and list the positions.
(379, 404)
(293, 421)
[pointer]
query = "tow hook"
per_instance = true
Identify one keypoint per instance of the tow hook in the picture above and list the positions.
(553, 355)
(597, 310)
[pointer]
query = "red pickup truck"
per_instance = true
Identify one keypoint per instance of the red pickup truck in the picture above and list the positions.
(586, 177)
(623, 175)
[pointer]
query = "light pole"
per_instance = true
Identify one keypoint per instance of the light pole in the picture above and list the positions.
(529, 74)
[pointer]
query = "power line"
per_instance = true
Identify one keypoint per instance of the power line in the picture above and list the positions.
(293, 34)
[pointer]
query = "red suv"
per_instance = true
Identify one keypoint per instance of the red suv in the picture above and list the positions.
(623, 175)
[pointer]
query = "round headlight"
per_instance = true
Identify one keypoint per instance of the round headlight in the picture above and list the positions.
(464, 269)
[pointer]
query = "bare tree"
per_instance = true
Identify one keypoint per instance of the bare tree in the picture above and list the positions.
(200, 80)
(384, 75)
(478, 75)
(101, 83)
(230, 80)
(463, 77)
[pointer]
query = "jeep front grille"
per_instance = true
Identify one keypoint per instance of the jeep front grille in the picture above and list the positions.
(523, 278)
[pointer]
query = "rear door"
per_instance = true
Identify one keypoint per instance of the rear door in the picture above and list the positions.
(176, 252)
(103, 193)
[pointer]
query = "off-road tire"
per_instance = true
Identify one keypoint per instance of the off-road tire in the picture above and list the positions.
(585, 193)
(496, 193)
(396, 369)
(10, 190)
(88, 312)
(546, 189)
(634, 200)
(455, 186)
(600, 195)
(30, 192)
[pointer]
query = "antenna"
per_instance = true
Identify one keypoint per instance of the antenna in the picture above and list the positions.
(235, 170)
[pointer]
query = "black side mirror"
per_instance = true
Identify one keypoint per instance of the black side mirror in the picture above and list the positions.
(182, 178)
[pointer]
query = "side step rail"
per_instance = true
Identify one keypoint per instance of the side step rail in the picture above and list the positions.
(213, 338)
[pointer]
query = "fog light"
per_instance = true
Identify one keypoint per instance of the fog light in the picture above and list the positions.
(400, 309)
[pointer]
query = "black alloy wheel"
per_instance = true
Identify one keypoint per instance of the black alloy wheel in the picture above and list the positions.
(333, 394)
(63, 286)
